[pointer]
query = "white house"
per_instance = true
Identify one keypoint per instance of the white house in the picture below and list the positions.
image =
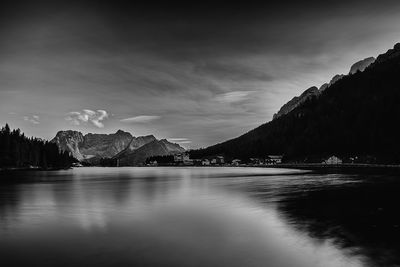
(273, 159)
(184, 157)
(205, 162)
(236, 162)
(333, 160)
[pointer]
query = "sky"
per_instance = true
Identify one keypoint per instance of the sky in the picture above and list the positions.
(196, 73)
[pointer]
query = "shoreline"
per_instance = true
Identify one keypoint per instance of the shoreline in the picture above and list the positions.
(342, 168)
(302, 166)
(14, 169)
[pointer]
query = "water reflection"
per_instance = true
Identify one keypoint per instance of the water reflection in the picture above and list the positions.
(363, 216)
(196, 217)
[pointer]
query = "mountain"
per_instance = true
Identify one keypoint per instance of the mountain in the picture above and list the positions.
(296, 101)
(355, 116)
(153, 148)
(306, 95)
(361, 65)
(128, 149)
(104, 145)
(137, 142)
(94, 146)
(69, 141)
(313, 91)
(335, 78)
(323, 87)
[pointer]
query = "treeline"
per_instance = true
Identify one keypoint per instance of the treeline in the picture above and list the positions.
(108, 162)
(19, 151)
(358, 116)
(168, 159)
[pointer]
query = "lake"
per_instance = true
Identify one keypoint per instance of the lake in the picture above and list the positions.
(198, 217)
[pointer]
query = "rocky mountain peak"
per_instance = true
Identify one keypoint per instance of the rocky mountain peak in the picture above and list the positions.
(92, 147)
(310, 91)
(296, 101)
(68, 133)
(323, 87)
(69, 141)
(361, 65)
(153, 148)
(391, 53)
(121, 132)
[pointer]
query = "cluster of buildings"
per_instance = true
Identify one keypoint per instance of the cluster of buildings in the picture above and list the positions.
(333, 160)
(268, 160)
(183, 159)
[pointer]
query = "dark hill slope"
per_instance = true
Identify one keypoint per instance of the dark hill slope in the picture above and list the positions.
(358, 115)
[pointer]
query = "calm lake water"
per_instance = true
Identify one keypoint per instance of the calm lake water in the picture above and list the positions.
(198, 217)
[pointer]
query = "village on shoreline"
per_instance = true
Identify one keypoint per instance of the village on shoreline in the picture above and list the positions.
(270, 161)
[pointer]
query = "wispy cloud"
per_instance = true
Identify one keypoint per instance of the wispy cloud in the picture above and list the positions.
(180, 140)
(177, 139)
(141, 119)
(34, 119)
(184, 142)
(234, 97)
(87, 116)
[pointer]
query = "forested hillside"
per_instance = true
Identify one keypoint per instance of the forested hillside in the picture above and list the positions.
(357, 116)
(18, 151)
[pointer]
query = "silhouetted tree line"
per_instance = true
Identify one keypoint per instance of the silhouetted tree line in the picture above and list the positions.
(108, 162)
(161, 159)
(17, 150)
(357, 116)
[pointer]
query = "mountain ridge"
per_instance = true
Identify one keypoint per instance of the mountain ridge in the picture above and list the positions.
(360, 65)
(356, 115)
(154, 148)
(93, 147)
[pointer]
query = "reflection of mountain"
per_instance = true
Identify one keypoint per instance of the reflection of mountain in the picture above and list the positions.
(362, 217)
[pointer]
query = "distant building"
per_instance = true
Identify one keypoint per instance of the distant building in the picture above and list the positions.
(273, 159)
(220, 160)
(205, 162)
(197, 162)
(255, 161)
(153, 163)
(333, 160)
(236, 162)
(77, 164)
(183, 157)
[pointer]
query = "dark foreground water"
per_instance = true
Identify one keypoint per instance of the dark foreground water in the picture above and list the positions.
(198, 217)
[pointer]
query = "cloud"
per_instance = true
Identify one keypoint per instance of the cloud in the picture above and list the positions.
(234, 96)
(177, 139)
(180, 140)
(86, 116)
(184, 142)
(34, 119)
(141, 119)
